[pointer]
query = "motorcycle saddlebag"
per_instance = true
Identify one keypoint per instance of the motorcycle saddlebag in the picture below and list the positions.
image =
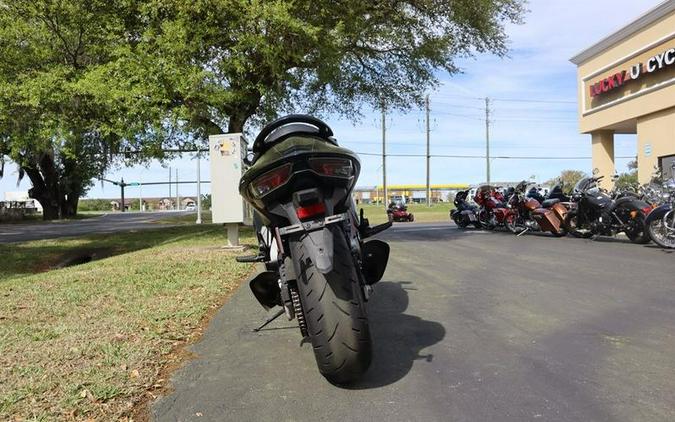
(546, 219)
(560, 210)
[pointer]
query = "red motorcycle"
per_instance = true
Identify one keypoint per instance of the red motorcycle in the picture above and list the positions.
(528, 214)
(399, 213)
(493, 211)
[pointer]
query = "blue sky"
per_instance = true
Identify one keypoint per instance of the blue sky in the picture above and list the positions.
(537, 70)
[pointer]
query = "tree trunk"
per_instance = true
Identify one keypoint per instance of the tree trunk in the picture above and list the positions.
(236, 124)
(48, 190)
(69, 205)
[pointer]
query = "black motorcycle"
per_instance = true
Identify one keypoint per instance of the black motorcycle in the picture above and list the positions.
(318, 268)
(596, 213)
(464, 213)
(661, 221)
(557, 193)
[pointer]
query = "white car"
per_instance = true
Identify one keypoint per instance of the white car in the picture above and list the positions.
(191, 207)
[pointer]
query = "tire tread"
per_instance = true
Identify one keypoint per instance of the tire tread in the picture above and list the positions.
(336, 319)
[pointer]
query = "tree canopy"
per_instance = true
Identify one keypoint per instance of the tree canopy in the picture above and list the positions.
(221, 62)
(568, 179)
(83, 80)
(52, 123)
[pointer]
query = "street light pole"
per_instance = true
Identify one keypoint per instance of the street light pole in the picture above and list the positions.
(177, 197)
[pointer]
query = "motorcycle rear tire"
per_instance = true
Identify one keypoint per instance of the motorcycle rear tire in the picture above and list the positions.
(571, 226)
(460, 223)
(641, 237)
(335, 314)
(658, 238)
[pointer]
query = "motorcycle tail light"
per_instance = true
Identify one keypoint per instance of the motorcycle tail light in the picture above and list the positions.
(271, 180)
(647, 210)
(332, 167)
(311, 210)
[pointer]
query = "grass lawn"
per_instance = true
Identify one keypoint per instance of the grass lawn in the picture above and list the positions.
(436, 213)
(91, 341)
(186, 218)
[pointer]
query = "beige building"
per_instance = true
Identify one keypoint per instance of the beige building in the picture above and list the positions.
(627, 85)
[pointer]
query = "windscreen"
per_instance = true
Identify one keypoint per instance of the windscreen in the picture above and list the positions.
(582, 184)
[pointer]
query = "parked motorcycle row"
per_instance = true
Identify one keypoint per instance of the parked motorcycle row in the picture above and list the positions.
(643, 215)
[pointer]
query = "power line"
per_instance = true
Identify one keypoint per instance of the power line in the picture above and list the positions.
(513, 100)
(524, 100)
(500, 157)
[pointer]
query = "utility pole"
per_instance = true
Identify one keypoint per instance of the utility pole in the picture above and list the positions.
(384, 155)
(170, 183)
(487, 138)
(426, 103)
(199, 190)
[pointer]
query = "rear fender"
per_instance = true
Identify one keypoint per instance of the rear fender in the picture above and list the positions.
(631, 204)
(319, 245)
(657, 213)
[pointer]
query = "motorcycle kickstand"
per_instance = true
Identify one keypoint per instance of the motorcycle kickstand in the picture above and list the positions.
(270, 319)
(523, 232)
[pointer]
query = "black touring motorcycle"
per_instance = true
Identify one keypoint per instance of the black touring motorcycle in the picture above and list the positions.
(596, 213)
(318, 267)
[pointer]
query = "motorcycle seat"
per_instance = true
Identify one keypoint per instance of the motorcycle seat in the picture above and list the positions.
(549, 202)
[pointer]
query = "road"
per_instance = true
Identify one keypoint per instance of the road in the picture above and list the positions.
(467, 326)
(107, 223)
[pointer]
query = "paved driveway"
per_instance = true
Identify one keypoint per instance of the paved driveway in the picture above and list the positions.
(107, 223)
(467, 326)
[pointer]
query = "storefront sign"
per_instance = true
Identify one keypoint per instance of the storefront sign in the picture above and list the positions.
(653, 64)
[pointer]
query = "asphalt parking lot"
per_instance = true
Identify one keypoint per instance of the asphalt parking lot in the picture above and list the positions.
(467, 326)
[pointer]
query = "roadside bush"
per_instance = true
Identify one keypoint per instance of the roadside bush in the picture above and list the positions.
(94, 205)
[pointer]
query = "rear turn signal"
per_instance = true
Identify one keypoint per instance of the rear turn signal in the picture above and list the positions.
(333, 167)
(311, 210)
(271, 180)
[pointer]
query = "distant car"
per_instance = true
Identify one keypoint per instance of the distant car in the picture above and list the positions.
(191, 207)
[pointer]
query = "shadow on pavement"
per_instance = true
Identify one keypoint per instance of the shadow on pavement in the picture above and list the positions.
(398, 338)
